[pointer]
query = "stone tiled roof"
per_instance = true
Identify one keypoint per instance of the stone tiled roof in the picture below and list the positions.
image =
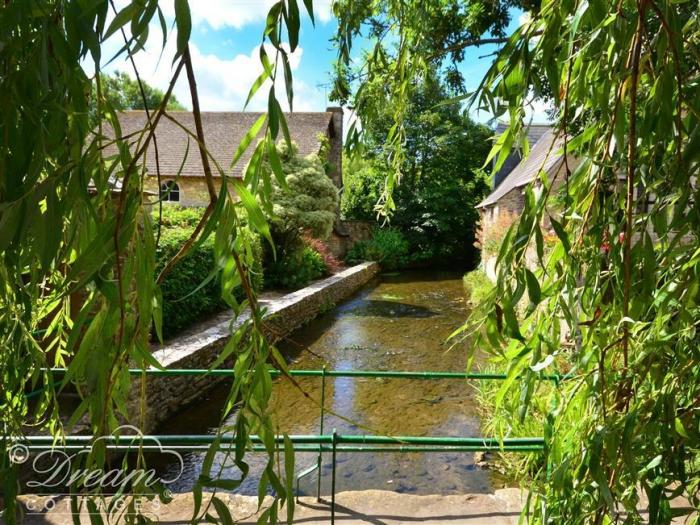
(526, 171)
(534, 133)
(223, 132)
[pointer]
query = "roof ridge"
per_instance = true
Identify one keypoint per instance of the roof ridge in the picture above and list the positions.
(225, 130)
(524, 173)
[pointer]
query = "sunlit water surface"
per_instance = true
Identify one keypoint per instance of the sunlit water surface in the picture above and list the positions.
(398, 322)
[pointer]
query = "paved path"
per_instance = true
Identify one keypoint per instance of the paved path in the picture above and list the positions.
(374, 507)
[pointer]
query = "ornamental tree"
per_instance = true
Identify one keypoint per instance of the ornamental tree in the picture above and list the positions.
(305, 200)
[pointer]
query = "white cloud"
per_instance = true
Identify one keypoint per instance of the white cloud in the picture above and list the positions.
(222, 84)
(239, 13)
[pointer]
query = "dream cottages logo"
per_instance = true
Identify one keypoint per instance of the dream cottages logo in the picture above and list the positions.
(59, 471)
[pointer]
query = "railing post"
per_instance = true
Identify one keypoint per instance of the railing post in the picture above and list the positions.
(335, 440)
(319, 460)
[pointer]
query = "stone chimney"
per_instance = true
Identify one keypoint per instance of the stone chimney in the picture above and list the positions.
(335, 151)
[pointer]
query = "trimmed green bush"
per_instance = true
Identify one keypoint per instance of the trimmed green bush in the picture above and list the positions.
(387, 246)
(174, 216)
(295, 270)
(307, 204)
(186, 299)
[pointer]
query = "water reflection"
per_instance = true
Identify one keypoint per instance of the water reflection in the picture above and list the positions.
(391, 309)
(398, 323)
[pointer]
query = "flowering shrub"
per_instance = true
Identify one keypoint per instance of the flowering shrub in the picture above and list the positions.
(333, 265)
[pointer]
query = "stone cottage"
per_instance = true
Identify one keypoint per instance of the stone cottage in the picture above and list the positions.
(224, 132)
(504, 205)
(507, 200)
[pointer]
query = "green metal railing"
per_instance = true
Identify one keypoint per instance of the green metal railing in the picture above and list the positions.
(333, 443)
(330, 443)
(187, 440)
(228, 372)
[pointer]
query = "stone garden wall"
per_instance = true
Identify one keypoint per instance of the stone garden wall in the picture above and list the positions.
(345, 234)
(166, 395)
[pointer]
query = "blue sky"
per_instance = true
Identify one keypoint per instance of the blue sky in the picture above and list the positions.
(225, 38)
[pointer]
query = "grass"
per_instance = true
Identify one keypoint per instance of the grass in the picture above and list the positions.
(501, 420)
(477, 286)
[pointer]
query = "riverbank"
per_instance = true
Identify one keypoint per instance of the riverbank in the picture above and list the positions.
(398, 322)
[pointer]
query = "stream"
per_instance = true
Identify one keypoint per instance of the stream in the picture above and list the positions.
(396, 322)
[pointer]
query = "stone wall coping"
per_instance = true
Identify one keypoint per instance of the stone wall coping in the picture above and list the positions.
(180, 348)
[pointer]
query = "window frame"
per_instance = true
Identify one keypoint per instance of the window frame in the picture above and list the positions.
(170, 191)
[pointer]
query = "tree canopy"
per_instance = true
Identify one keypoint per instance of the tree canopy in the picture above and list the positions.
(441, 180)
(125, 93)
(402, 51)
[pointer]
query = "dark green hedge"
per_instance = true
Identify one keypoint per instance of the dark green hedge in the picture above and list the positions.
(387, 246)
(182, 307)
(295, 270)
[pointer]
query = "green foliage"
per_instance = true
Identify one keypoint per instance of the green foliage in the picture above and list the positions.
(174, 216)
(363, 183)
(124, 93)
(192, 290)
(184, 302)
(295, 270)
(497, 419)
(387, 246)
(306, 201)
(477, 286)
(441, 178)
(78, 281)
(617, 299)
(303, 201)
(403, 53)
(620, 285)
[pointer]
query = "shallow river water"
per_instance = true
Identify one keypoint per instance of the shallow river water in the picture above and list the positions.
(397, 322)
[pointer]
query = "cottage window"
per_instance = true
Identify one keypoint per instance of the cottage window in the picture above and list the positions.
(170, 191)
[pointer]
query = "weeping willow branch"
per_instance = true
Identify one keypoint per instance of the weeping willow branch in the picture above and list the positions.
(118, 357)
(206, 168)
(196, 113)
(476, 42)
(631, 168)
